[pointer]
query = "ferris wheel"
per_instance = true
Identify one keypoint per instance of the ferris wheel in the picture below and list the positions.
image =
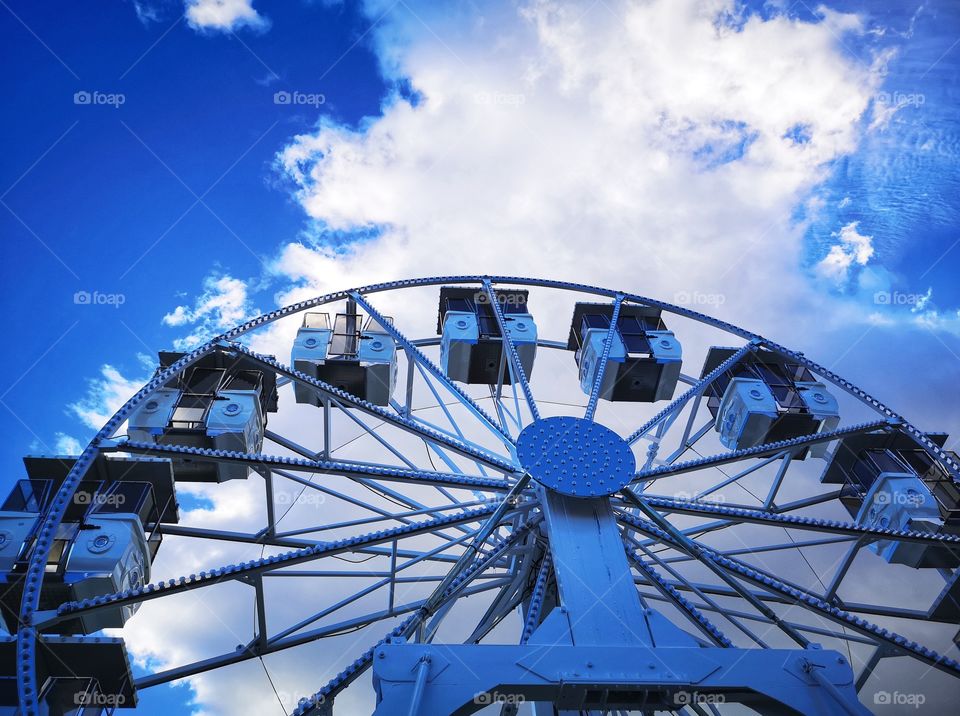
(507, 495)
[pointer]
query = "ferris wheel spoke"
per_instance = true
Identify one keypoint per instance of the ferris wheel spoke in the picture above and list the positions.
(918, 436)
(686, 608)
(662, 528)
(667, 588)
(764, 450)
(793, 595)
(253, 651)
(756, 516)
(350, 470)
(517, 373)
(254, 567)
(727, 612)
(695, 391)
(425, 364)
(604, 359)
(324, 388)
(412, 624)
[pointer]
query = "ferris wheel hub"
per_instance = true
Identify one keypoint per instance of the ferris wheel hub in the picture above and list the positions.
(576, 457)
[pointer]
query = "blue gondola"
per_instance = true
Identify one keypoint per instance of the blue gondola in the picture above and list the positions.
(766, 398)
(220, 402)
(358, 357)
(471, 344)
(107, 540)
(644, 360)
(891, 482)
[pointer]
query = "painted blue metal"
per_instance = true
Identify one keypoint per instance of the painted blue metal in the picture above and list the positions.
(575, 546)
(600, 678)
(900, 501)
(575, 456)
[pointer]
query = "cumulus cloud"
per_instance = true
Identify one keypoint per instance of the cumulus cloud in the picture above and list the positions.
(224, 15)
(223, 304)
(853, 250)
(105, 395)
(655, 134)
(67, 445)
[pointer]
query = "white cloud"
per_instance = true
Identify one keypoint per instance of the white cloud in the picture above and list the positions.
(224, 15)
(67, 445)
(105, 395)
(854, 249)
(222, 305)
(567, 141)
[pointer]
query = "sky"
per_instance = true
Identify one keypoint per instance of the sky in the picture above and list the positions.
(172, 168)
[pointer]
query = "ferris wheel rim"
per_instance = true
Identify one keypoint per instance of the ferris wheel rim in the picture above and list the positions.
(26, 637)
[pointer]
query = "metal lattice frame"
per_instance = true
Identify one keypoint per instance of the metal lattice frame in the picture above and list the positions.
(494, 540)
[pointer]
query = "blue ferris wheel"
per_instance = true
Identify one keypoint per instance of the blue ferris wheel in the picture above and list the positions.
(563, 499)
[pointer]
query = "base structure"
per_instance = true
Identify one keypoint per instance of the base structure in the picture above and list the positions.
(462, 679)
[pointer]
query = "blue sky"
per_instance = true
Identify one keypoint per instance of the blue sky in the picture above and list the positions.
(805, 171)
(105, 198)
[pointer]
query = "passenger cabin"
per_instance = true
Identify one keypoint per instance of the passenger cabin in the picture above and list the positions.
(220, 402)
(890, 482)
(355, 356)
(766, 398)
(471, 344)
(106, 542)
(76, 676)
(644, 359)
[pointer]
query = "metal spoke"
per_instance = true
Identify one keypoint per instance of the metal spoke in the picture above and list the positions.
(604, 358)
(517, 374)
(414, 353)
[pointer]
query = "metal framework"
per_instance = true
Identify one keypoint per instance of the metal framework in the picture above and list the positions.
(654, 592)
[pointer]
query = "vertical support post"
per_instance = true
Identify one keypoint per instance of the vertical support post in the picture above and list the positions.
(393, 575)
(408, 399)
(594, 581)
(422, 671)
(326, 428)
